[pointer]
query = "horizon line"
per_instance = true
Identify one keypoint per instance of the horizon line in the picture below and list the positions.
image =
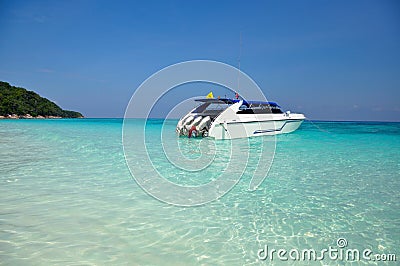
(313, 120)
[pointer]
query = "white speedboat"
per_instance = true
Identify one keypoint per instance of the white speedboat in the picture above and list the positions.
(225, 118)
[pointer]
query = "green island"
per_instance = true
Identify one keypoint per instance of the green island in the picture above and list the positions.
(16, 102)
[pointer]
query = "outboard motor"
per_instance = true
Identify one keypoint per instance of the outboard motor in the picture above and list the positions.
(181, 127)
(192, 126)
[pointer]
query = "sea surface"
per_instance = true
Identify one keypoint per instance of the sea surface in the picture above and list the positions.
(67, 197)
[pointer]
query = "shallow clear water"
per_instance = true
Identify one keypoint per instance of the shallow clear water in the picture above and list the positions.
(67, 197)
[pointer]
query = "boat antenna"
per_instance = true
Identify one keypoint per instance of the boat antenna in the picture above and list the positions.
(240, 55)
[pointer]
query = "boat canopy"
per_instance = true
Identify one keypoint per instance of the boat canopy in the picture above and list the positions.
(232, 101)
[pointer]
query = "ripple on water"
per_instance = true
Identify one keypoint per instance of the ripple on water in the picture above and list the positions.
(67, 197)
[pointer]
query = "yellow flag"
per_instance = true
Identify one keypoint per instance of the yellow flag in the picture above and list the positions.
(210, 95)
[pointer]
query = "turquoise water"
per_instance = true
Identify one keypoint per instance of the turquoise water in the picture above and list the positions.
(67, 197)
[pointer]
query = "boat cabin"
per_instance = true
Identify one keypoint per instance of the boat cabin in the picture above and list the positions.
(213, 107)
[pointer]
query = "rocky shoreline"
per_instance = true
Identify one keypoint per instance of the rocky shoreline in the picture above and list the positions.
(28, 116)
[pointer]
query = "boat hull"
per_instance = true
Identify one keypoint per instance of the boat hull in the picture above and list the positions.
(233, 130)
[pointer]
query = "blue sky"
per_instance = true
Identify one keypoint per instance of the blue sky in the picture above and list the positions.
(332, 60)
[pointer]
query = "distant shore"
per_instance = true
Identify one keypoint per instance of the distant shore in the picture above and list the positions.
(28, 116)
(19, 103)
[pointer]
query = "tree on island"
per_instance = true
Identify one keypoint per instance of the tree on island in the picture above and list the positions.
(21, 102)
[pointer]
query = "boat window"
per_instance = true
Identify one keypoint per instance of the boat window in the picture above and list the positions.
(201, 108)
(217, 106)
(276, 110)
(211, 109)
(259, 109)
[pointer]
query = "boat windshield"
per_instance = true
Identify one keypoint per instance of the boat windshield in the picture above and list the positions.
(214, 107)
(211, 109)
